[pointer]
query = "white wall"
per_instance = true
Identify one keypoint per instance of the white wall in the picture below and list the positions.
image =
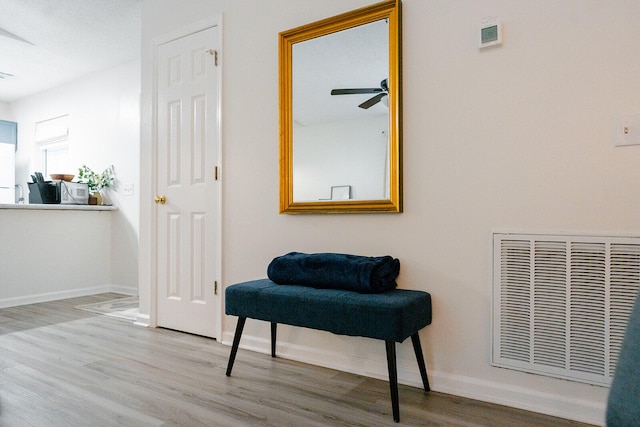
(104, 117)
(351, 153)
(518, 136)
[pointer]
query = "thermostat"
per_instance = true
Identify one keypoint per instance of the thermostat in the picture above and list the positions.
(490, 32)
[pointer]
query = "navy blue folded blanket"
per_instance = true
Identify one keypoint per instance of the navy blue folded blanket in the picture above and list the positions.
(335, 271)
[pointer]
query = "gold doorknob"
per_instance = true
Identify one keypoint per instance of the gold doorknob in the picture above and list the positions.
(160, 199)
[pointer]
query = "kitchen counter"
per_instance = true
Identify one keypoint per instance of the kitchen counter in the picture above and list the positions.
(50, 252)
(56, 207)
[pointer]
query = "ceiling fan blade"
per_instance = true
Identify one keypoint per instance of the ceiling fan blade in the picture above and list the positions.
(372, 101)
(355, 91)
(6, 33)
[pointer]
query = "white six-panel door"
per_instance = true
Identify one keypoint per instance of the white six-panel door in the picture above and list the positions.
(187, 188)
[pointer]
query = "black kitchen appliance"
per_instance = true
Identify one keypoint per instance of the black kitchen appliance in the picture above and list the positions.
(41, 191)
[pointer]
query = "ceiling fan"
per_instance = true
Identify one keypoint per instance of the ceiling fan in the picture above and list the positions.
(380, 93)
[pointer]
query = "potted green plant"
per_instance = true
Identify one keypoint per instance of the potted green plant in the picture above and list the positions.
(96, 181)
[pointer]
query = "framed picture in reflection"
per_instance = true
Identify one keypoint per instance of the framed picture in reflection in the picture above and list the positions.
(341, 192)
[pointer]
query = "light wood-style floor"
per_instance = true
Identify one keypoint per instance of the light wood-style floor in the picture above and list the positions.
(60, 366)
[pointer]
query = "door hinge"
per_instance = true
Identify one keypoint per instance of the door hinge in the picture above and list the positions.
(215, 173)
(215, 56)
(215, 287)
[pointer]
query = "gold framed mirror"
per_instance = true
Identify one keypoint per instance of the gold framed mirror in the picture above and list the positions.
(340, 113)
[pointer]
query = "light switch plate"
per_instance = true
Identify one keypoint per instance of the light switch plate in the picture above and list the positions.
(627, 130)
(127, 190)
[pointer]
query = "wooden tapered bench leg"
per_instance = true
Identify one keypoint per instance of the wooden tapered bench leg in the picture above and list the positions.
(417, 348)
(236, 343)
(393, 379)
(274, 327)
(393, 372)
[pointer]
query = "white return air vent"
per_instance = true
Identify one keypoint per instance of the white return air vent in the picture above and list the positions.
(561, 303)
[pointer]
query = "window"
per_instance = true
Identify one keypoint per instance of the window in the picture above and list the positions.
(52, 136)
(55, 158)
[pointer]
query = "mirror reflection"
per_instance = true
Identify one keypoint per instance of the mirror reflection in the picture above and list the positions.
(340, 117)
(341, 114)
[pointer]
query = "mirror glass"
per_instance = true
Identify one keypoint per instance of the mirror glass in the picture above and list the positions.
(336, 142)
(340, 115)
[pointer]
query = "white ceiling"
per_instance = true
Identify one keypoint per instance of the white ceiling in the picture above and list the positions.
(46, 43)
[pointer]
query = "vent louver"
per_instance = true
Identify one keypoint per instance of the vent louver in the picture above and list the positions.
(561, 303)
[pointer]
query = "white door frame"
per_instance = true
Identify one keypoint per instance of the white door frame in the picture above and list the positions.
(215, 21)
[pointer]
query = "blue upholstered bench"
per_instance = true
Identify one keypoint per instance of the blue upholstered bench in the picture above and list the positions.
(391, 316)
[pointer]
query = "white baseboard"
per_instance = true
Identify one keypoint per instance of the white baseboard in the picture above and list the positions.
(54, 296)
(125, 290)
(142, 320)
(473, 388)
(557, 405)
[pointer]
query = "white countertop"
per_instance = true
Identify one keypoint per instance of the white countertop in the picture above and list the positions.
(57, 207)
